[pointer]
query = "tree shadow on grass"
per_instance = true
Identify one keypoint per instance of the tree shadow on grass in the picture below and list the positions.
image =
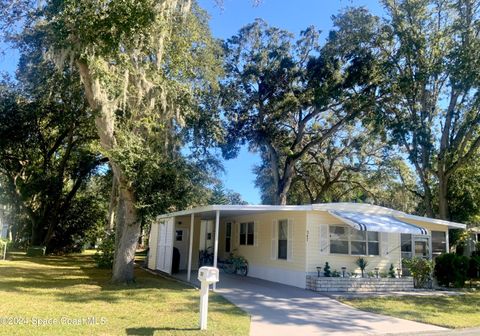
(150, 331)
(72, 272)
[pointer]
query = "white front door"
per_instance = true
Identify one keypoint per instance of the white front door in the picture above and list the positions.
(165, 245)
(206, 235)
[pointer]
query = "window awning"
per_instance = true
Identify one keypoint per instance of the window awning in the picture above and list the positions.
(377, 222)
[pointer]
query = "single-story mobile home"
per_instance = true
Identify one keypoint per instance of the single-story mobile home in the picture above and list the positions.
(287, 244)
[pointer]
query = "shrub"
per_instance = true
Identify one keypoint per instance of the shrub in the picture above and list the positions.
(474, 267)
(451, 269)
(421, 270)
(105, 252)
(36, 251)
(391, 271)
(336, 274)
(326, 270)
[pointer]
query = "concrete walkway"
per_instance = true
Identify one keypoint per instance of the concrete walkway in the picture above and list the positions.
(279, 310)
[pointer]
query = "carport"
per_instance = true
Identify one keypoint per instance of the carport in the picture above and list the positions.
(192, 221)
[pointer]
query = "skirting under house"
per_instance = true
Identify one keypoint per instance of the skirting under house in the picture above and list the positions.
(330, 284)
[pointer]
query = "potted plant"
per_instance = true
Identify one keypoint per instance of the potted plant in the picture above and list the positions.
(326, 270)
(362, 264)
(391, 271)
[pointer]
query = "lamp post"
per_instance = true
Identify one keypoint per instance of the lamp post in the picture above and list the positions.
(343, 271)
(319, 269)
(398, 272)
(376, 272)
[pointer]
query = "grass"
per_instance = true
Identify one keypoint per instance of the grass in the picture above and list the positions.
(458, 311)
(70, 288)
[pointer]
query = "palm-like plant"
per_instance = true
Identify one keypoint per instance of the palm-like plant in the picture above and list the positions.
(362, 263)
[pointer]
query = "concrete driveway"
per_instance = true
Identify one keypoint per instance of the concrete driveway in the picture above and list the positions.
(279, 310)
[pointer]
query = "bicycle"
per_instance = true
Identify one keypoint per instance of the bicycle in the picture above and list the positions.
(235, 264)
(206, 257)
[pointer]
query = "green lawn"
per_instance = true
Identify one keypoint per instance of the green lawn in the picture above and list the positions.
(461, 311)
(70, 289)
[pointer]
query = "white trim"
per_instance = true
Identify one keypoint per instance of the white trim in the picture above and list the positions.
(190, 247)
(238, 208)
(215, 247)
(356, 207)
(434, 221)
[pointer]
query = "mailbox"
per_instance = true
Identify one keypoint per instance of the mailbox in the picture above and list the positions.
(208, 274)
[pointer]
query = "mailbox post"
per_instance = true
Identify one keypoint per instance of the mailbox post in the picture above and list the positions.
(207, 276)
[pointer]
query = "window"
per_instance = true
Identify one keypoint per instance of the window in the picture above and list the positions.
(247, 233)
(228, 237)
(373, 243)
(179, 235)
(345, 240)
(339, 239)
(406, 245)
(439, 242)
(358, 242)
(282, 238)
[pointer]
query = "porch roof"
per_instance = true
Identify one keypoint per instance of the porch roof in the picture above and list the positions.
(207, 212)
(377, 222)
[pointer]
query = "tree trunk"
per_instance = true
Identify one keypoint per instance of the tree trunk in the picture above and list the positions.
(126, 239)
(285, 184)
(442, 196)
(427, 201)
(127, 224)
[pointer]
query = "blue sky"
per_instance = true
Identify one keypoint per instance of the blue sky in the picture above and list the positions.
(291, 15)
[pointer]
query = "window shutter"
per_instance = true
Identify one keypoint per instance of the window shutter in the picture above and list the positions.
(255, 234)
(383, 243)
(324, 239)
(290, 240)
(236, 236)
(274, 240)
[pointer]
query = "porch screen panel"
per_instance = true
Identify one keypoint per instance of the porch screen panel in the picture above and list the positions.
(439, 242)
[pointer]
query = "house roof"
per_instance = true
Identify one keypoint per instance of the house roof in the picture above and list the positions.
(235, 210)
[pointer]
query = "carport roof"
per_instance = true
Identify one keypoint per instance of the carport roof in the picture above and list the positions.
(209, 211)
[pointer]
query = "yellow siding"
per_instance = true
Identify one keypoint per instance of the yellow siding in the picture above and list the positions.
(306, 253)
(261, 253)
(336, 261)
(196, 235)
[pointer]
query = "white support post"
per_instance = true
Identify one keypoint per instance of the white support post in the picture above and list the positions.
(447, 243)
(203, 305)
(215, 248)
(189, 268)
(430, 252)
